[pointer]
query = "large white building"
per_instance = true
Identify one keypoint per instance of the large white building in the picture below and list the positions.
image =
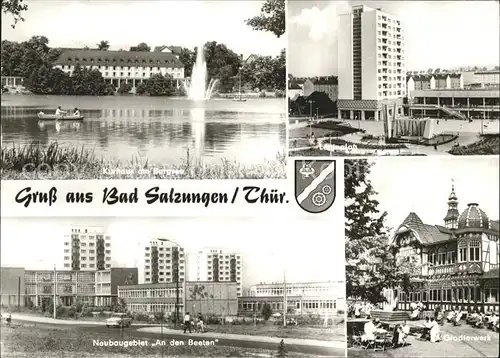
(220, 265)
(163, 259)
(87, 249)
(371, 63)
(302, 297)
(124, 66)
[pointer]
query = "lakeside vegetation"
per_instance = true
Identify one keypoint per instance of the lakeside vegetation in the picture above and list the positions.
(34, 161)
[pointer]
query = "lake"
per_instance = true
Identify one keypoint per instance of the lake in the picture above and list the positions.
(157, 129)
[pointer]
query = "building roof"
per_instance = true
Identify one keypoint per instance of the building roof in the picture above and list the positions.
(175, 49)
(422, 77)
(473, 217)
(293, 85)
(326, 80)
(428, 234)
(120, 58)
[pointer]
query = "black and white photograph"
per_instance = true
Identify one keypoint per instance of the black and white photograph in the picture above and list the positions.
(143, 89)
(165, 287)
(393, 78)
(422, 257)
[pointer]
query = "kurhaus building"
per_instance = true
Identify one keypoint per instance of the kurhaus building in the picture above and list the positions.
(459, 260)
(130, 67)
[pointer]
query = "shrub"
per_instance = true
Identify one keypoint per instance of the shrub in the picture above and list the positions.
(266, 311)
(262, 94)
(279, 93)
(141, 317)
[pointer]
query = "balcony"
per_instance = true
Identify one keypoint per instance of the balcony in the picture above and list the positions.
(443, 269)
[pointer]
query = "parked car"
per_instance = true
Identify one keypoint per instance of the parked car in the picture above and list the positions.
(119, 320)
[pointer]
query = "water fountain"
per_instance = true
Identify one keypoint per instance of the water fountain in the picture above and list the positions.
(196, 88)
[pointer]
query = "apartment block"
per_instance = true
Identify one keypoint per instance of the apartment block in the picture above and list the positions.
(220, 265)
(371, 63)
(87, 249)
(164, 261)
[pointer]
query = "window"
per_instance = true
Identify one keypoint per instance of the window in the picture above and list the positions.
(462, 252)
(442, 256)
(474, 250)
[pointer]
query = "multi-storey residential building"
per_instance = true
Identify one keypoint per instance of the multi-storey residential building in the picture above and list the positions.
(306, 297)
(457, 262)
(328, 85)
(87, 249)
(220, 265)
(125, 66)
(164, 261)
(22, 287)
(371, 63)
(482, 79)
(434, 81)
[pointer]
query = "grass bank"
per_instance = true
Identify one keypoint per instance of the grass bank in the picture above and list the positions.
(28, 340)
(269, 329)
(489, 144)
(34, 161)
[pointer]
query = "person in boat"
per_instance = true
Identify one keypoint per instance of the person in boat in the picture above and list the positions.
(60, 112)
(76, 113)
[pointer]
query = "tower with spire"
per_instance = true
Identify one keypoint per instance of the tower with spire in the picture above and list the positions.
(451, 218)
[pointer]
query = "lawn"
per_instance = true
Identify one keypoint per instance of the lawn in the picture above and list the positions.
(33, 162)
(269, 329)
(489, 144)
(30, 341)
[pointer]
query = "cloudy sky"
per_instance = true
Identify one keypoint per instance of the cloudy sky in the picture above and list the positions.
(423, 184)
(456, 33)
(308, 249)
(126, 23)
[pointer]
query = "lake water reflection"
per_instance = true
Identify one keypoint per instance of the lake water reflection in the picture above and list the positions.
(159, 130)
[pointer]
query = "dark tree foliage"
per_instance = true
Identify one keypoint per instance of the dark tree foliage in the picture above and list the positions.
(142, 47)
(266, 311)
(271, 18)
(16, 8)
(372, 263)
(103, 45)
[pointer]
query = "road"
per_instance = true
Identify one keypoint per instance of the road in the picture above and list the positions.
(136, 332)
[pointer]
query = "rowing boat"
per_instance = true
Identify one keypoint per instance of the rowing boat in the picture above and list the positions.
(53, 117)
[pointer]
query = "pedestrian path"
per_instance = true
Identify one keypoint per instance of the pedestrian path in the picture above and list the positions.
(250, 338)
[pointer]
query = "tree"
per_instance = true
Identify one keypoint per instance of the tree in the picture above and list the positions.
(159, 85)
(371, 263)
(271, 18)
(14, 8)
(266, 311)
(142, 47)
(265, 72)
(222, 64)
(187, 57)
(103, 45)
(124, 88)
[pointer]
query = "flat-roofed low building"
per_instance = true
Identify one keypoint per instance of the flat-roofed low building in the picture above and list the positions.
(323, 298)
(117, 67)
(458, 103)
(205, 297)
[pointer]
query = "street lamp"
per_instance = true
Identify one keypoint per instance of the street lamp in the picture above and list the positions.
(176, 272)
(310, 116)
(55, 290)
